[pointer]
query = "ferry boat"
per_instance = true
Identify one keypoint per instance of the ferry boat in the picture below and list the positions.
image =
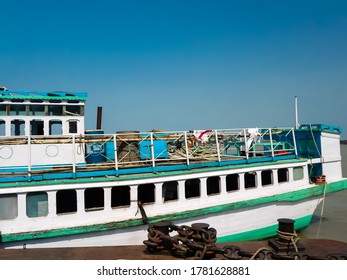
(64, 186)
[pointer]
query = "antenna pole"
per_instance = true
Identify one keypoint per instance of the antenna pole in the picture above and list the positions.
(296, 113)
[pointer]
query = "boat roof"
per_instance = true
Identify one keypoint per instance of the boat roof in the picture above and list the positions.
(6, 94)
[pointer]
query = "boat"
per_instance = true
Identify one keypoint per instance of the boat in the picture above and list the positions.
(64, 186)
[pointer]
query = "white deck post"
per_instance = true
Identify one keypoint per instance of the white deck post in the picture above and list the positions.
(217, 145)
(246, 148)
(294, 141)
(115, 152)
(152, 150)
(73, 154)
(271, 144)
(29, 156)
(186, 144)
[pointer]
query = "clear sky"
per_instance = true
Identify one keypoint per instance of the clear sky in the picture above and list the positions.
(176, 65)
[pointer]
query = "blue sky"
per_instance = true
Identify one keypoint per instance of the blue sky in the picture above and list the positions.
(177, 65)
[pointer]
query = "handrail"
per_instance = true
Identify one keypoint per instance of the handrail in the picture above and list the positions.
(141, 149)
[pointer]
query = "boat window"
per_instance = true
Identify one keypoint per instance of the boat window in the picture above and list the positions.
(120, 196)
(55, 110)
(213, 185)
(2, 128)
(55, 127)
(94, 199)
(146, 193)
(266, 178)
(36, 110)
(8, 206)
(283, 175)
(3, 110)
(192, 188)
(73, 110)
(37, 204)
(36, 127)
(250, 180)
(298, 173)
(18, 110)
(73, 126)
(170, 191)
(66, 201)
(17, 127)
(232, 182)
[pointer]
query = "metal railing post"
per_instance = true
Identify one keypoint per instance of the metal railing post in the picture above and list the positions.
(246, 148)
(115, 152)
(73, 154)
(294, 141)
(186, 144)
(217, 145)
(271, 144)
(29, 157)
(152, 150)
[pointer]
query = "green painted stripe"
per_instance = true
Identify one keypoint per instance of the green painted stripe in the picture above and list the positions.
(148, 175)
(263, 233)
(287, 197)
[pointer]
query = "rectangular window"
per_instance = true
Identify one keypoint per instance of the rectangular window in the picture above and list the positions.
(73, 110)
(55, 127)
(170, 191)
(232, 182)
(213, 185)
(120, 196)
(250, 180)
(37, 110)
(37, 127)
(55, 110)
(3, 110)
(266, 177)
(73, 127)
(192, 188)
(37, 204)
(8, 206)
(17, 110)
(283, 175)
(17, 128)
(2, 128)
(298, 173)
(66, 201)
(94, 199)
(146, 193)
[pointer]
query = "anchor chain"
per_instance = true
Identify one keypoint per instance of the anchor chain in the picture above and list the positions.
(198, 242)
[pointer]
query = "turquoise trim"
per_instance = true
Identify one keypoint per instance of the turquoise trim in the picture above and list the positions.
(264, 233)
(132, 173)
(286, 197)
(43, 95)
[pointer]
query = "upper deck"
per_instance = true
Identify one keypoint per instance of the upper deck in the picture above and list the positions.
(131, 152)
(24, 113)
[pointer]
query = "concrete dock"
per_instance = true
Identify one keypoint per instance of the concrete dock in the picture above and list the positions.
(312, 247)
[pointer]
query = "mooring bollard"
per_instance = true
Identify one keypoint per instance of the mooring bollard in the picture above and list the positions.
(163, 227)
(285, 229)
(287, 240)
(203, 226)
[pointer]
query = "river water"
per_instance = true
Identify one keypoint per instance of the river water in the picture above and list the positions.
(330, 218)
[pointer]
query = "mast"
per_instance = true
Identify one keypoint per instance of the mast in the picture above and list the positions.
(296, 113)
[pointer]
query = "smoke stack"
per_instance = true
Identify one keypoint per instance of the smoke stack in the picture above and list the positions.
(99, 118)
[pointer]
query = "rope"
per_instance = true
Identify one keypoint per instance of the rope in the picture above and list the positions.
(292, 237)
(315, 144)
(325, 185)
(321, 211)
(258, 251)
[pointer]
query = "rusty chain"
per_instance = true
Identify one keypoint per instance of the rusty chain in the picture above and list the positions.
(199, 242)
